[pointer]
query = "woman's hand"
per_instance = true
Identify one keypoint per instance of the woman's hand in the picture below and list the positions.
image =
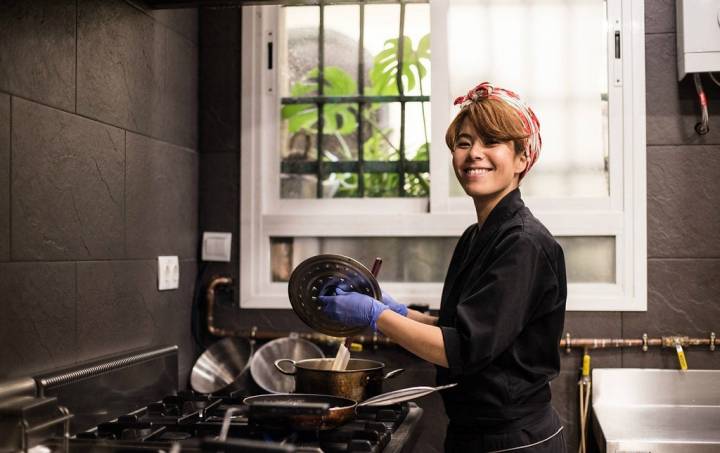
(353, 309)
(394, 305)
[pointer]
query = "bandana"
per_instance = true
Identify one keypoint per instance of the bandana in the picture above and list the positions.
(530, 122)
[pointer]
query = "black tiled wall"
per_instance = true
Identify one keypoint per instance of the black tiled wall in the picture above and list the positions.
(98, 176)
(682, 198)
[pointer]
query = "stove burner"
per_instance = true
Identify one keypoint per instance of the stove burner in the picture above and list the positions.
(171, 435)
(189, 420)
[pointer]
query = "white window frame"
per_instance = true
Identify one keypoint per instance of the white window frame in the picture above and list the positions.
(264, 215)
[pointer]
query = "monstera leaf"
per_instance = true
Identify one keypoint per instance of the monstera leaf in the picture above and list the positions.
(383, 75)
(337, 118)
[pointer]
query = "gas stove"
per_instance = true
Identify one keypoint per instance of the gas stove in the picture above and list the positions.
(192, 422)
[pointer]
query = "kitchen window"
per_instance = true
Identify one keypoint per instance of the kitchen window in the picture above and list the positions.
(345, 167)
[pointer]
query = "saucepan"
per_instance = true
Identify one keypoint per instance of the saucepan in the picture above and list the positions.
(360, 380)
(267, 376)
(311, 412)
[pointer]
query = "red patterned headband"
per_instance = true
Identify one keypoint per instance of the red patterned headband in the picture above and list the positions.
(530, 122)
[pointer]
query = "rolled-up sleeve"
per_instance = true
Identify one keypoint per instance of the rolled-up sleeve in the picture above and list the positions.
(497, 303)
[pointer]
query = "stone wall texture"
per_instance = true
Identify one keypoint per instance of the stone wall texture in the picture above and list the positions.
(99, 175)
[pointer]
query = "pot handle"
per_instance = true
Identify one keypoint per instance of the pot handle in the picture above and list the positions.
(389, 375)
(393, 373)
(280, 369)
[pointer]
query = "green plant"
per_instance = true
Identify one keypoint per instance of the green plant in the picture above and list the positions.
(340, 121)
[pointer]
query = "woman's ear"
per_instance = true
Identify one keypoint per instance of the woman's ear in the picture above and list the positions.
(521, 162)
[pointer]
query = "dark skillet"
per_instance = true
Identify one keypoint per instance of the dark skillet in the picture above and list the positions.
(300, 412)
(309, 412)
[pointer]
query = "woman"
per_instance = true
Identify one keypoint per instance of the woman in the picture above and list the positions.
(503, 301)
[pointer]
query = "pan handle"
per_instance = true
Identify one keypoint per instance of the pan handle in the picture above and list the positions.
(393, 373)
(388, 375)
(280, 369)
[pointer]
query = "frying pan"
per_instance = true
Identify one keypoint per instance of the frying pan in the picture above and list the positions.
(309, 412)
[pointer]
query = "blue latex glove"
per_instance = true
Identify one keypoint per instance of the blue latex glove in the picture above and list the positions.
(394, 305)
(353, 309)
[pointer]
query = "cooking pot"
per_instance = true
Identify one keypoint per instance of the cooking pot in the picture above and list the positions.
(361, 379)
(266, 376)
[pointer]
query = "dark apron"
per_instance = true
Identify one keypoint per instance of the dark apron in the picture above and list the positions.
(538, 432)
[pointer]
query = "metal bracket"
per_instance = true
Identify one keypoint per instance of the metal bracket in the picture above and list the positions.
(712, 341)
(568, 349)
(645, 342)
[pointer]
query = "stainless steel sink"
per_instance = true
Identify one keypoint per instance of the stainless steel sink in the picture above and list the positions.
(658, 411)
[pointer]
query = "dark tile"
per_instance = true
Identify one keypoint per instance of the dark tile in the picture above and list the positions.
(672, 106)
(119, 306)
(220, 26)
(219, 194)
(659, 16)
(131, 70)
(681, 301)
(592, 324)
(162, 194)
(220, 99)
(682, 199)
(120, 65)
(4, 177)
(37, 326)
(37, 51)
(182, 21)
(67, 187)
(180, 100)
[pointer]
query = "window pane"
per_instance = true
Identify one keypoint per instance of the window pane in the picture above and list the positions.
(382, 138)
(426, 259)
(417, 28)
(300, 55)
(342, 40)
(589, 259)
(418, 259)
(554, 55)
(340, 128)
(378, 185)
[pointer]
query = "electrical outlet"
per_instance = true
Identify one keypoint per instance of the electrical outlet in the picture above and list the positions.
(168, 272)
(216, 246)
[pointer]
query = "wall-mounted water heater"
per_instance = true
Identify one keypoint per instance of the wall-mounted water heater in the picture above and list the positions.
(698, 36)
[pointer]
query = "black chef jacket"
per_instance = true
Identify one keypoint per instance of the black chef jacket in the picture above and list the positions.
(501, 315)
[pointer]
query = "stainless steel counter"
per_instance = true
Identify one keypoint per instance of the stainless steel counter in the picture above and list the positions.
(646, 410)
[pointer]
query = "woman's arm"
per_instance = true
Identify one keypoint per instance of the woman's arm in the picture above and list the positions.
(423, 340)
(422, 317)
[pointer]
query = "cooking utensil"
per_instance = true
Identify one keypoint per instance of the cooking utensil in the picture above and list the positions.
(310, 412)
(262, 368)
(361, 379)
(343, 353)
(220, 365)
(319, 276)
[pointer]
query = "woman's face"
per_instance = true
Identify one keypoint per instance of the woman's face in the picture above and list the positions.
(485, 170)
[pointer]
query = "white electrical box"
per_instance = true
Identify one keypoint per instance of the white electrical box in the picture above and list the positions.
(216, 246)
(698, 36)
(168, 272)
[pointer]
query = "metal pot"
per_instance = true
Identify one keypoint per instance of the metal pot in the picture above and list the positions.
(220, 365)
(266, 376)
(361, 379)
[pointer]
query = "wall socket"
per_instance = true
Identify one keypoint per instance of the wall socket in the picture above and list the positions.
(168, 272)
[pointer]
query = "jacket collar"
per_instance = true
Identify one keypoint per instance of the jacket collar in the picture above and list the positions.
(501, 213)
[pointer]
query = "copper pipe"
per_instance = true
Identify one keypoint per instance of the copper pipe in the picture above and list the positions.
(376, 340)
(668, 341)
(220, 332)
